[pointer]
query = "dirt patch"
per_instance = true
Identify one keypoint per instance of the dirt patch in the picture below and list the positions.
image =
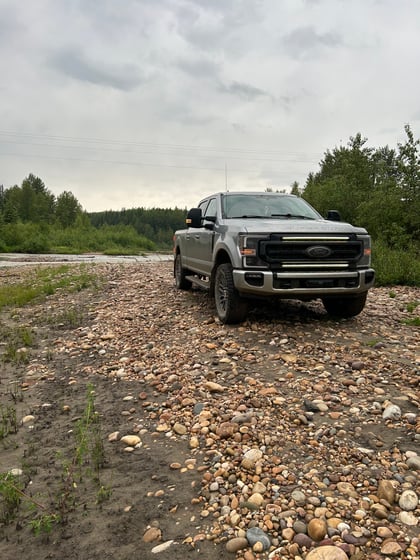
(135, 356)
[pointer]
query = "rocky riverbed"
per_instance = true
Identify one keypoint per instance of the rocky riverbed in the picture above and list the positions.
(290, 436)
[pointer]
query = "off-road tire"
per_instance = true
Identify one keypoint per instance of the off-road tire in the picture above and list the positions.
(230, 307)
(180, 273)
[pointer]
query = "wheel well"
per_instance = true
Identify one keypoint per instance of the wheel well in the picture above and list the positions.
(221, 257)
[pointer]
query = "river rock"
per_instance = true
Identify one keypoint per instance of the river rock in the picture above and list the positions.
(351, 538)
(298, 497)
(236, 544)
(386, 491)
(347, 489)
(384, 532)
(194, 442)
(213, 387)
(179, 429)
(413, 463)
(152, 534)
(317, 529)
(288, 534)
(259, 487)
(131, 440)
(408, 518)
(226, 429)
(256, 535)
(303, 540)
(299, 526)
(392, 412)
(391, 548)
(256, 499)
(408, 500)
(162, 547)
(379, 511)
(327, 552)
(253, 455)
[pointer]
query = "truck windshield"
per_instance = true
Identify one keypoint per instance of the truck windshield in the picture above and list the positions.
(267, 205)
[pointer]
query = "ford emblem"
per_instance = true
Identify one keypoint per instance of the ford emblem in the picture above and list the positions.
(318, 252)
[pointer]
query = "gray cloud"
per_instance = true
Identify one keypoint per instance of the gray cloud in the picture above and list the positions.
(244, 91)
(10, 26)
(74, 64)
(242, 75)
(306, 42)
(199, 68)
(216, 25)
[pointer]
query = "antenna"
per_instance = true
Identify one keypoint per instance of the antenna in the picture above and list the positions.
(226, 180)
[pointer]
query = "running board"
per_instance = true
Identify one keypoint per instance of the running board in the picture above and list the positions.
(198, 281)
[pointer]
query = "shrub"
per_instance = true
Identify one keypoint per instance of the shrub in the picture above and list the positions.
(25, 238)
(395, 267)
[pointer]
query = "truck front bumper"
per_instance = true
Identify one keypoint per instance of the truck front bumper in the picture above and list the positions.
(302, 285)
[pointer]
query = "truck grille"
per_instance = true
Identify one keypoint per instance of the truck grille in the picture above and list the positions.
(305, 252)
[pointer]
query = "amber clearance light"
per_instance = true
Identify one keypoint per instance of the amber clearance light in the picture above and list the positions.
(248, 252)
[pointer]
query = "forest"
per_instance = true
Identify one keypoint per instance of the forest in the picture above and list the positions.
(377, 188)
(33, 220)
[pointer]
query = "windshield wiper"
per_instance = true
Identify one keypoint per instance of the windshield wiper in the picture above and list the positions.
(249, 216)
(291, 216)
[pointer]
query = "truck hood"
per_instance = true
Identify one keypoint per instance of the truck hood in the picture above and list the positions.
(293, 226)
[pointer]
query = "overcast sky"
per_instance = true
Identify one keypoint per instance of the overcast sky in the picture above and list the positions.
(130, 103)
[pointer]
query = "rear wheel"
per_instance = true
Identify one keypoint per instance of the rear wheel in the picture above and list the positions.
(231, 308)
(345, 306)
(180, 273)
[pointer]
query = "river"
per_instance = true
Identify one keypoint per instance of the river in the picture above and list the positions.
(17, 259)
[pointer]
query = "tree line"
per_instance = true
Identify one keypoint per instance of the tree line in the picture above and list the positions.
(377, 188)
(157, 224)
(33, 202)
(34, 220)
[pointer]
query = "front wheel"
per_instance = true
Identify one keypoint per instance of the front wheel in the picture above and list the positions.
(345, 306)
(230, 307)
(180, 273)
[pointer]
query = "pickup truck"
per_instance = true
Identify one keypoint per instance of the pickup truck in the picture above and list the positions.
(245, 245)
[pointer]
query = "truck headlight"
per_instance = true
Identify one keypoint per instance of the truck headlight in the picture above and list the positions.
(365, 261)
(248, 248)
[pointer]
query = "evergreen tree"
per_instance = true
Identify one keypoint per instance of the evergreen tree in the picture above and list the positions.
(67, 209)
(295, 189)
(409, 180)
(344, 180)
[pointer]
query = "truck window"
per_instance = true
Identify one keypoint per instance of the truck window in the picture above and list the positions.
(203, 206)
(267, 206)
(211, 209)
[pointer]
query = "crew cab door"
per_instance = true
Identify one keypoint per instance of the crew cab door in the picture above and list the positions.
(201, 240)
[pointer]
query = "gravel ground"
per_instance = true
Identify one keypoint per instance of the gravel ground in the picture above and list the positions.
(291, 436)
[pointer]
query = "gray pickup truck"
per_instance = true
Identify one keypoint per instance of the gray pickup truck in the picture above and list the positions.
(244, 245)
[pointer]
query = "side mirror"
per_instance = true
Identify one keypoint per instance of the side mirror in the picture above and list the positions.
(194, 218)
(209, 222)
(334, 216)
